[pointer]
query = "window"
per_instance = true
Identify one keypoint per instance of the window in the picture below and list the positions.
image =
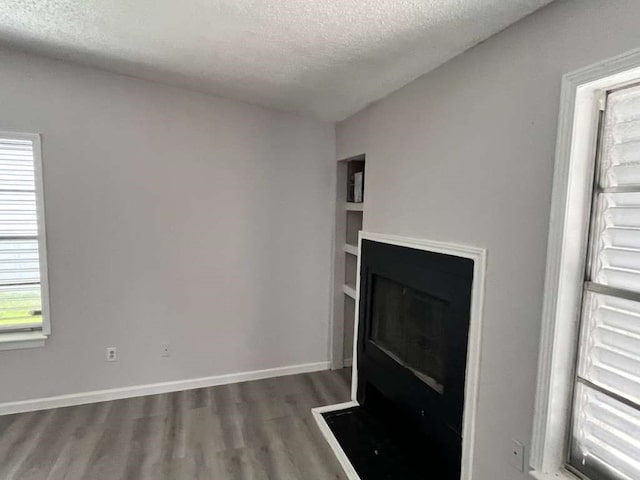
(605, 433)
(587, 408)
(23, 293)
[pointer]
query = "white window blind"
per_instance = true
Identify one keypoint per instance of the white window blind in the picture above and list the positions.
(606, 418)
(20, 290)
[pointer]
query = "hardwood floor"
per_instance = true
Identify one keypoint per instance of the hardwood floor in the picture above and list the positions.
(261, 430)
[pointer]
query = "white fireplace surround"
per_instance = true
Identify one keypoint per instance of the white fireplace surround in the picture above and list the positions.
(472, 377)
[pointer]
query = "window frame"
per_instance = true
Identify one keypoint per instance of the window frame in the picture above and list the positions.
(567, 251)
(37, 338)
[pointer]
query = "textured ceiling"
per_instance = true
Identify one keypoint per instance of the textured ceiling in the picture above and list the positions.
(325, 58)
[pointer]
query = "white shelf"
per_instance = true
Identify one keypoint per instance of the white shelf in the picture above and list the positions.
(349, 290)
(348, 223)
(351, 249)
(354, 207)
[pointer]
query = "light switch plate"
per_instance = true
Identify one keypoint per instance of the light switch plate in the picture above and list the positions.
(517, 455)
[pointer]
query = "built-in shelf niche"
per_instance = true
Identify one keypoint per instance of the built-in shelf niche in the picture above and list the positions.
(350, 270)
(348, 224)
(347, 348)
(355, 168)
(353, 226)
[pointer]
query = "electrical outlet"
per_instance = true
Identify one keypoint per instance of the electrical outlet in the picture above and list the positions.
(166, 350)
(517, 455)
(112, 354)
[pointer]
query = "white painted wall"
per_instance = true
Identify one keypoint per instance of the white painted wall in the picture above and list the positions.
(465, 154)
(172, 217)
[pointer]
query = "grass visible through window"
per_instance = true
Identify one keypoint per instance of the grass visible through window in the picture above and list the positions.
(21, 307)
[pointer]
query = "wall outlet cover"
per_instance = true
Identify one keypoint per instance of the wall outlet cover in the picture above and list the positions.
(111, 354)
(517, 455)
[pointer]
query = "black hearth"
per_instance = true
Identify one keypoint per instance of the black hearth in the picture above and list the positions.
(412, 349)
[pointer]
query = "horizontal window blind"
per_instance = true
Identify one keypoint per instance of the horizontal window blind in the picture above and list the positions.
(20, 292)
(606, 417)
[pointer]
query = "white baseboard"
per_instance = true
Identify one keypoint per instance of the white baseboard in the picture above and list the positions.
(348, 362)
(155, 388)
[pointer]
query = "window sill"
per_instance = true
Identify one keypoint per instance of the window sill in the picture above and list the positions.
(16, 341)
(561, 474)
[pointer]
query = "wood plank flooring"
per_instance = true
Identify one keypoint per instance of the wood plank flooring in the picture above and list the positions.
(261, 430)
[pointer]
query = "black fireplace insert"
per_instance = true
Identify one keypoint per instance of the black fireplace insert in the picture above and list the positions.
(414, 311)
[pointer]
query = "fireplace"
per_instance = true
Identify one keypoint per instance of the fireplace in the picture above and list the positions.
(412, 343)
(411, 359)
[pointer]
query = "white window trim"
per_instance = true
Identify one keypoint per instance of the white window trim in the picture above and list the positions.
(566, 255)
(19, 340)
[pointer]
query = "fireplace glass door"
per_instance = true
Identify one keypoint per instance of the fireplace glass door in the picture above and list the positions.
(409, 326)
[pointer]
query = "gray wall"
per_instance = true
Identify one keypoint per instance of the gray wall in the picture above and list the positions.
(171, 217)
(465, 154)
